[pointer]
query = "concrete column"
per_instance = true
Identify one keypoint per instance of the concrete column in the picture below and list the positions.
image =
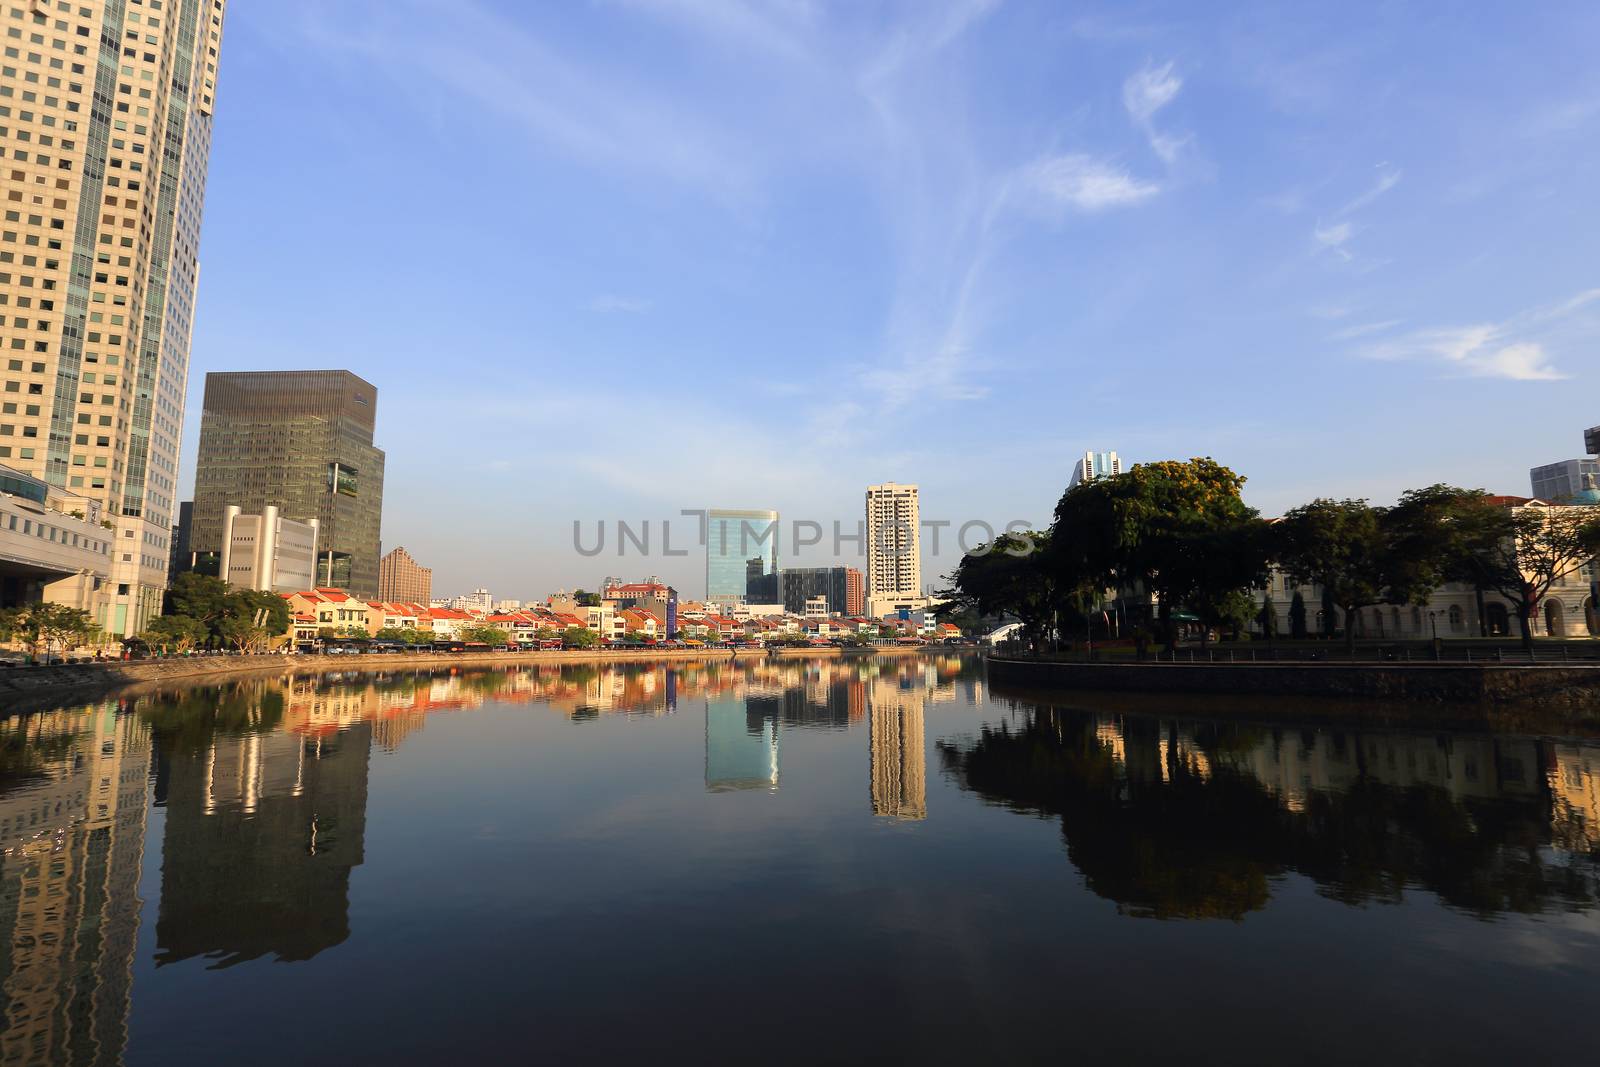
(267, 549)
(229, 513)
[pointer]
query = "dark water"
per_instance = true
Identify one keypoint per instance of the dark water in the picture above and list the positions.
(796, 862)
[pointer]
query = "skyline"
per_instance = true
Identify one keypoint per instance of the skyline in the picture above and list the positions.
(952, 246)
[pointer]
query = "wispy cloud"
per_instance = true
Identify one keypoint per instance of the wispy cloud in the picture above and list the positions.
(1387, 179)
(1366, 329)
(1334, 235)
(612, 304)
(1146, 92)
(1517, 349)
(1086, 184)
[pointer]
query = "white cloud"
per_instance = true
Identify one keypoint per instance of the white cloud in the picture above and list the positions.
(1086, 184)
(1332, 236)
(1388, 178)
(1146, 92)
(1518, 349)
(1350, 333)
(1149, 90)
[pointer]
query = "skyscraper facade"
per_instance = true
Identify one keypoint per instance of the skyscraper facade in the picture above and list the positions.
(300, 441)
(855, 592)
(402, 580)
(741, 555)
(894, 552)
(105, 126)
(800, 584)
(1095, 465)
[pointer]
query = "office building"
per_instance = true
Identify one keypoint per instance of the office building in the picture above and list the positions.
(741, 556)
(181, 557)
(1591, 440)
(50, 540)
(1561, 482)
(1095, 465)
(402, 579)
(300, 441)
(106, 143)
(894, 552)
(804, 584)
(267, 551)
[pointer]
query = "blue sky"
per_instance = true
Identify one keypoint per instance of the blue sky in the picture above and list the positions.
(614, 259)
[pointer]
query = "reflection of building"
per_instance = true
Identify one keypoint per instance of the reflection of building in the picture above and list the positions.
(262, 833)
(899, 767)
(302, 441)
(741, 746)
(69, 879)
(741, 556)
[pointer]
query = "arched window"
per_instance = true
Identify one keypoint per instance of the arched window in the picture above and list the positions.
(1498, 618)
(1591, 621)
(1555, 618)
(1457, 619)
(1416, 620)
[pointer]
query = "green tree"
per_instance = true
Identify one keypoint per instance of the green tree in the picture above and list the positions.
(485, 635)
(585, 599)
(1521, 554)
(1158, 528)
(394, 635)
(1297, 617)
(1012, 575)
(1268, 618)
(41, 626)
(1342, 546)
(200, 597)
(579, 637)
(174, 633)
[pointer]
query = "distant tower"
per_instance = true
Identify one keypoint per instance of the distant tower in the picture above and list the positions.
(1095, 465)
(894, 552)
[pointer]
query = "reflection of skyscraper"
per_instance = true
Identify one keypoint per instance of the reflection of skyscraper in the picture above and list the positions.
(741, 745)
(69, 879)
(262, 832)
(899, 768)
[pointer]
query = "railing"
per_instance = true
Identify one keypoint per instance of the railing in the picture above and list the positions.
(1488, 653)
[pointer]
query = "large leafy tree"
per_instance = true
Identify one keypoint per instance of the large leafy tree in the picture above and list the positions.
(485, 635)
(199, 597)
(42, 626)
(174, 633)
(1179, 530)
(1010, 576)
(579, 637)
(1520, 553)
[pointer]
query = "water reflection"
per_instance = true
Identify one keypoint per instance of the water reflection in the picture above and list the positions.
(276, 810)
(1176, 819)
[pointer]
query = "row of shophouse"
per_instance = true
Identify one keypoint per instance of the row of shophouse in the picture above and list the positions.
(315, 612)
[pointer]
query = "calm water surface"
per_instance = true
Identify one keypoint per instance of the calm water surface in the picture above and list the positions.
(790, 862)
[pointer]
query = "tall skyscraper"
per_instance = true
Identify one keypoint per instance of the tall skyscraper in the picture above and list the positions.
(855, 592)
(1095, 465)
(402, 580)
(105, 122)
(894, 547)
(300, 441)
(741, 556)
(801, 584)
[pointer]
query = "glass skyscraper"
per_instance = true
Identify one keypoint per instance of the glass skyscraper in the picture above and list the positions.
(741, 556)
(300, 441)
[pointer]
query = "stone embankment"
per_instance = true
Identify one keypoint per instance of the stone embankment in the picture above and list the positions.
(1569, 694)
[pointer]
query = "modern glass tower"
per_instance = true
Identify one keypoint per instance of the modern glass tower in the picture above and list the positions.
(300, 441)
(105, 127)
(741, 556)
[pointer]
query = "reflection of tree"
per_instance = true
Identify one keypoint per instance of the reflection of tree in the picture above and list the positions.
(1173, 833)
(189, 721)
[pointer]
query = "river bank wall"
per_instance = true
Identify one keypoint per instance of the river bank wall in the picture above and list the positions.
(1490, 694)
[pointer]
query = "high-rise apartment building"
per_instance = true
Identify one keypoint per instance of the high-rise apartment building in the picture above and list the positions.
(741, 556)
(894, 552)
(300, 441)
(401, 580)
(855, 592)
(105, 133)
(1095, 465)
